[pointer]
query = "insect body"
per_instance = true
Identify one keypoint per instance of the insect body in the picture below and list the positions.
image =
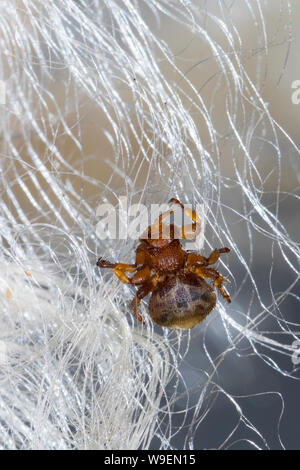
(181, 297)
(181, 301)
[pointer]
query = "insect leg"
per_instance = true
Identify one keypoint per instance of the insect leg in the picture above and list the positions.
(141, 293)
(214, 256)
(103, 263)
(158, 229)
(142, 275)
(119, 269)
(218, 280)
(196, 260)
(189, 231)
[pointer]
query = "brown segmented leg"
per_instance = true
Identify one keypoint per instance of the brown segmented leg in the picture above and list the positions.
(214, 256)
(173, 200)
(142, 257)
(194, 260)
(142, 275)
(198, 260)
(217, 277)
(103, 263)
(188, 212)
(119, 269)
(141, 293)
(189, 231)
(157, 229)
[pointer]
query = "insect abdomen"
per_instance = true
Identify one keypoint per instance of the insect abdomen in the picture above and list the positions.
(181, 301)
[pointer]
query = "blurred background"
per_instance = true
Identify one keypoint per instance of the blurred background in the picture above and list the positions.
(155, 98)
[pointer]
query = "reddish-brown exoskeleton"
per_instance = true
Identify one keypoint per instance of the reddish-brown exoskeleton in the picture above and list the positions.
(181, 297)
